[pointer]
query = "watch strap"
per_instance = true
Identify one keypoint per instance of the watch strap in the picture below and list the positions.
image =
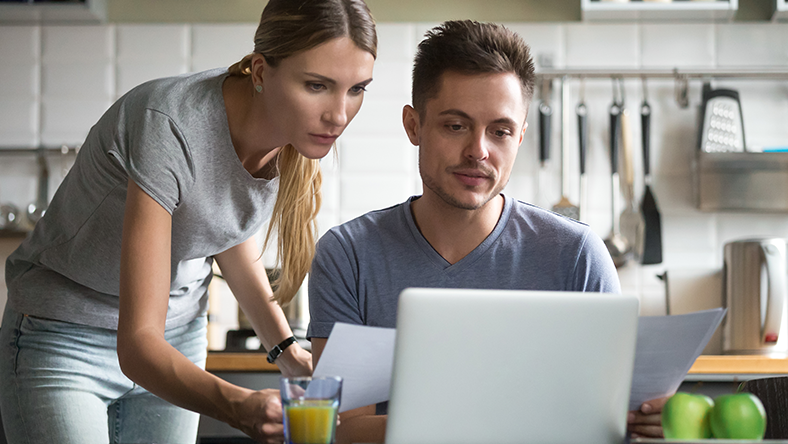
(279, 348)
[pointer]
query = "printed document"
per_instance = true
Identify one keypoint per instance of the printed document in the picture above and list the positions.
(667, 346)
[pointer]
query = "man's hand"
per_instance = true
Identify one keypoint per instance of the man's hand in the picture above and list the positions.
(260, 417)
(647, 422)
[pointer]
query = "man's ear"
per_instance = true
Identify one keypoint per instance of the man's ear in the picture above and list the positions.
(410, 120)
(522, 134)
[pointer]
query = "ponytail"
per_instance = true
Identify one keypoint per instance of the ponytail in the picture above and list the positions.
(293, 219)
(242, 67)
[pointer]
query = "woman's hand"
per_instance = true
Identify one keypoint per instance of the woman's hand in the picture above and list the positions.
(260, 417)
(295, 361)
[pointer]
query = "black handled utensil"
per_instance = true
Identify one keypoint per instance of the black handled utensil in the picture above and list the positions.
(582, 135)
(652, 236)
(616, 244)
(545, 117)
(545, 114)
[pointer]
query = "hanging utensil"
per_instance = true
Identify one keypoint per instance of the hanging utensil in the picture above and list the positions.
(616, 244)
(36, 210)
(9, 217)
(564, 206)
(652, 231)
(545, 115)
(631, 221)
(582, 134)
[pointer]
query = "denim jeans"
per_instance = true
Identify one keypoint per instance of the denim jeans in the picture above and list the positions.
(61, 383)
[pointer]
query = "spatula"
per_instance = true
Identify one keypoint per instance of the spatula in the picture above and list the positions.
(564, 206)
(652, 231)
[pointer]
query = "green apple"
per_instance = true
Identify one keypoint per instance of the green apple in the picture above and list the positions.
(738, 416)
(686, 416)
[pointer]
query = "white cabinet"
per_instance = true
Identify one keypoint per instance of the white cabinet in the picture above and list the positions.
(53, 12)
(676, 10)
(780, 11)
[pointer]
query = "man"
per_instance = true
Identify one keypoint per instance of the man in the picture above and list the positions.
(472, 84)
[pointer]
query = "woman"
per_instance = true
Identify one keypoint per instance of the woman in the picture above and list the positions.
(105, 325)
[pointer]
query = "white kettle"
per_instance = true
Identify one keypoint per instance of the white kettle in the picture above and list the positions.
(755, 288)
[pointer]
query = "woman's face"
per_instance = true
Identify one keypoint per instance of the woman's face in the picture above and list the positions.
(310, 97)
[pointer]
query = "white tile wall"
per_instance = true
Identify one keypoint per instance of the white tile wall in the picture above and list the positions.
(752, 45)
(216, 45)
(136, 63)
(678, 45)
(602, 45)
(57, 80)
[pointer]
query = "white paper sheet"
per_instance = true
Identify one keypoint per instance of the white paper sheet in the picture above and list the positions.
(667, 346)
(363, 356)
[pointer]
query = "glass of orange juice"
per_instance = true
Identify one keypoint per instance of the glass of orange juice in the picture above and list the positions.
(310, 408)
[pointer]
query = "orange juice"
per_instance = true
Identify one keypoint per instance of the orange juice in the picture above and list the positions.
(310, 421)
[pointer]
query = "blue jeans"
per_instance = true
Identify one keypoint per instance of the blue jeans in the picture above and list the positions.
(61, 383)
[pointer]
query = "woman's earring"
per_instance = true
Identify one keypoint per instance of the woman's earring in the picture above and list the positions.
(258, 88)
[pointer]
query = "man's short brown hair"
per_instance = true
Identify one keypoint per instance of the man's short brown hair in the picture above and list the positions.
(469, 47)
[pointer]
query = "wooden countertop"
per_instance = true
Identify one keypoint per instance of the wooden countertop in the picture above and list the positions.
(704, 365)
(739, 364)
(239, 362)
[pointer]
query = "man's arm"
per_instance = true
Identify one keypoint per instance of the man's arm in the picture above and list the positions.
(357, 425)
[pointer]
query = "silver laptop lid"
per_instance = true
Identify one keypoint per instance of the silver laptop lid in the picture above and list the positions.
(503, 366)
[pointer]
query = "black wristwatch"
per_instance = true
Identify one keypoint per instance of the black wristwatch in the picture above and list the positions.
(279, 348)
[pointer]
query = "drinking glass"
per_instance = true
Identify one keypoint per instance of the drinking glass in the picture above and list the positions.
(310, 405)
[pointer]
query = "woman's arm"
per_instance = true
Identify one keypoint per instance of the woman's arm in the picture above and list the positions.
(245, 274)
(357, 425)
(147, 358)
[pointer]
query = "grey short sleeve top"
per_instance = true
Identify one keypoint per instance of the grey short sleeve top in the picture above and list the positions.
(171, 137)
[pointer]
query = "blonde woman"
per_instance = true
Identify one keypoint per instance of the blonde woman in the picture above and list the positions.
(103, 336)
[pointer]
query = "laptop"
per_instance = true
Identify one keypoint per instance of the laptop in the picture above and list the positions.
(507, 366)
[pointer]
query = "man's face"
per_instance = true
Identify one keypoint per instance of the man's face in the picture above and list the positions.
(468, 136)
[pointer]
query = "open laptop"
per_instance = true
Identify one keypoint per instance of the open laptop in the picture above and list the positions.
(504, 366)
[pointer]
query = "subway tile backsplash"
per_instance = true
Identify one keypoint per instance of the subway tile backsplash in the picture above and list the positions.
(678, 45)
(58, 80)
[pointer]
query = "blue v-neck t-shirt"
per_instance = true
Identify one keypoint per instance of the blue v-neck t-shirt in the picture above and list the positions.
(361, 267)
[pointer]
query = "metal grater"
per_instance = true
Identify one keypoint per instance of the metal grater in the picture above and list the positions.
(723, 127)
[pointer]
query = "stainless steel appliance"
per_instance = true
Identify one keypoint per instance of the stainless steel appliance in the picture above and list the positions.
(755, 276)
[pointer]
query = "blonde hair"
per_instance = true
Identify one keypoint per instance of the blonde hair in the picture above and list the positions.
(288, 27)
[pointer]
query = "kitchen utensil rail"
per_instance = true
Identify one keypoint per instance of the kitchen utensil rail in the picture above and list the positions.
(749, 73)
(20, 151)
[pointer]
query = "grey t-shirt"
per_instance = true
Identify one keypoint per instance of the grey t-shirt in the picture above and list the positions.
(171, 137)
(360, 267)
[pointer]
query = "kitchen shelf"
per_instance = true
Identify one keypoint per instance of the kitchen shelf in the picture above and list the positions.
(741, 181)
(33, 151)
(53, 12)
(5, 234)
(684, 10)
(780, 11)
